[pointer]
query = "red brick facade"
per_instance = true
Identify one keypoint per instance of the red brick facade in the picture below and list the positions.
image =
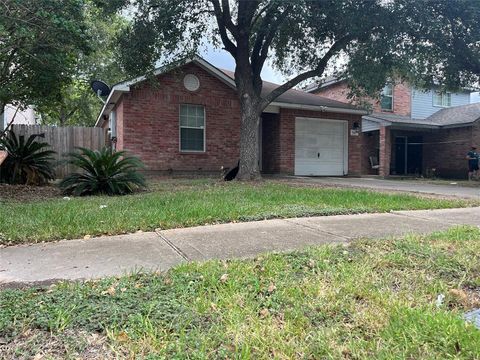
(148, 126)
(402, 97)
(446, 150)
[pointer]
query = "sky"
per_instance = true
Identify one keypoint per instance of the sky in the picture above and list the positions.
(222, 59)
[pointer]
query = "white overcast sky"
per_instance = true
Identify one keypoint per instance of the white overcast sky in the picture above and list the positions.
(222, 59)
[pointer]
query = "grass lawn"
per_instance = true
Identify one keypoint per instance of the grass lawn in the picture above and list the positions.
(183, 203)
(372, 299)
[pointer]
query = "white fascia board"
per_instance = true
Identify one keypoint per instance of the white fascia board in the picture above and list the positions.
(272, 109)
(111, 101)
(319, 108)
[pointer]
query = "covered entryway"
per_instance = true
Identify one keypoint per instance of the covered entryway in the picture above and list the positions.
(321, 147)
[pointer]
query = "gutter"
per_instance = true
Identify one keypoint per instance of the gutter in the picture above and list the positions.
(319, 108)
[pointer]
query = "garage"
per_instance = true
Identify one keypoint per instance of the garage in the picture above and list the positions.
(321, 147)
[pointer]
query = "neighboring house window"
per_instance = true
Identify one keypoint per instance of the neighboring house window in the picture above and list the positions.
(192, 128)
(442, 99)
(386, 101)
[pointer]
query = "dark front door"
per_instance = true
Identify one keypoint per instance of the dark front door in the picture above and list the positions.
(414, 155)
(400, 155)
(408, 155)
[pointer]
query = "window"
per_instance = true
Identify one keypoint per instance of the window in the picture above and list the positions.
(442, 99)
(192, 128)
(386, 101)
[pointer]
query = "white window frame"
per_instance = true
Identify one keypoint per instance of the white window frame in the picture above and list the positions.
(444, 95)
(391, 96)
(204, 128)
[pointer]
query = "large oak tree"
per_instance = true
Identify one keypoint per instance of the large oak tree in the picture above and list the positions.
(366, 40)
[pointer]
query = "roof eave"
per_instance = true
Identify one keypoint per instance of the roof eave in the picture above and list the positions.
(115, 94)
(323, 108)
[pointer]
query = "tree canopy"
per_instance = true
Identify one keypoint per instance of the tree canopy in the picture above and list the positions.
(76, 104)
(367, 41)
(40, 42)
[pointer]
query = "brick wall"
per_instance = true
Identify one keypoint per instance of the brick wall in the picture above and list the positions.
(151, 122)
(446, 150)
(402, 97)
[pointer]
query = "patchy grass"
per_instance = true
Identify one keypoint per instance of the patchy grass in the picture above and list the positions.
(189, 203)
(373, 299)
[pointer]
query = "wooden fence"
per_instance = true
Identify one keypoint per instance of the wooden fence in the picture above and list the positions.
(64, 140)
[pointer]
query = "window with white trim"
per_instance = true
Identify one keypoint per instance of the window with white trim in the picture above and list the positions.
(386, 101)
(442, 99)
(192, 128)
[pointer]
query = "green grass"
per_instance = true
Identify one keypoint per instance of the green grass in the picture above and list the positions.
(373, 299)
(190, 203)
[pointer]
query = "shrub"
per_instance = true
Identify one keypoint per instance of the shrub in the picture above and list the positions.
(104, 172)
(28, 162)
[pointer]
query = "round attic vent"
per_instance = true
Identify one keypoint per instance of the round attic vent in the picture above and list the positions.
(191, 82)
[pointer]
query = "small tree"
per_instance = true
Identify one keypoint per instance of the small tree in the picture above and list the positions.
(368, 40)
(40, 42)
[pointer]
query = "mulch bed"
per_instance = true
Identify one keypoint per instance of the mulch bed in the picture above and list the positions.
(28, 193)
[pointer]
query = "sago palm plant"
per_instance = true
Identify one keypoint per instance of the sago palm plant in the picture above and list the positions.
(28, 162)
(103, 172)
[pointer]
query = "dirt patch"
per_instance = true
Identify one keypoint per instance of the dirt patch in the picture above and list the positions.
(25, 193)
(39, 345)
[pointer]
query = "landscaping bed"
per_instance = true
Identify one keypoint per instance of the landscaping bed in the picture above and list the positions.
(184, 203)
(372, 299)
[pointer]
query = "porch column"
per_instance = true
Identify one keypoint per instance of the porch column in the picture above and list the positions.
(385, 151)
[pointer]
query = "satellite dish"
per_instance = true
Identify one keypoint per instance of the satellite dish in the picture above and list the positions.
(100, 88)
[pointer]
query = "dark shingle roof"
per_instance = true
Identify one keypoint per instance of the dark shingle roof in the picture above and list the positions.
(299, 97)
(462, 115)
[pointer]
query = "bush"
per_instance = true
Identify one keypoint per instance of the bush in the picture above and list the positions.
(104, 172)
(28, 162)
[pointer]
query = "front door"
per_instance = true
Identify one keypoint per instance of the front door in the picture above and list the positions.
(400, 155)
(408, 155)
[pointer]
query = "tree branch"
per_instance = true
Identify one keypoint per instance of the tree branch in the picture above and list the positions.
(318, 71)
(222, 28)
(263, 43)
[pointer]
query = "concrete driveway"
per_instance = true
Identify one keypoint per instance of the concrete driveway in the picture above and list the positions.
(396, 185)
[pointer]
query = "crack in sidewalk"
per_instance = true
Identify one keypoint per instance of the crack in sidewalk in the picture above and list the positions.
(172, 246)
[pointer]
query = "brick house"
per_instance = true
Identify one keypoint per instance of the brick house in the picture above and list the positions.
(188, 120)
(412, 131)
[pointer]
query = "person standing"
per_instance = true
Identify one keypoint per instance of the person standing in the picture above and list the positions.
(472, 157)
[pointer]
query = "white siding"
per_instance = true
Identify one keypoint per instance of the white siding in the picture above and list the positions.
(368, 125)
(422, 102)
(22, 117)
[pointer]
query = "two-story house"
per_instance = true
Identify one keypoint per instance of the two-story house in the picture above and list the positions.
(412, 131)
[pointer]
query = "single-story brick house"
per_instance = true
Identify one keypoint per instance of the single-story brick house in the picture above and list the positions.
(188, 120)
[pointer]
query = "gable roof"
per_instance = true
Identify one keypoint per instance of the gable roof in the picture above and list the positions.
(456, 116)
(322, 84)
(291, 99)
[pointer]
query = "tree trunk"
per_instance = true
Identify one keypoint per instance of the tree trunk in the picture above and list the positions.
(249, 142)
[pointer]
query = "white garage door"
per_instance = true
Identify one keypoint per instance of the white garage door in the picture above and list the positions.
(320, 147)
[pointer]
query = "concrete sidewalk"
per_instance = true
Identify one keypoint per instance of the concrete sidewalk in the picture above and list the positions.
(117, 255)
